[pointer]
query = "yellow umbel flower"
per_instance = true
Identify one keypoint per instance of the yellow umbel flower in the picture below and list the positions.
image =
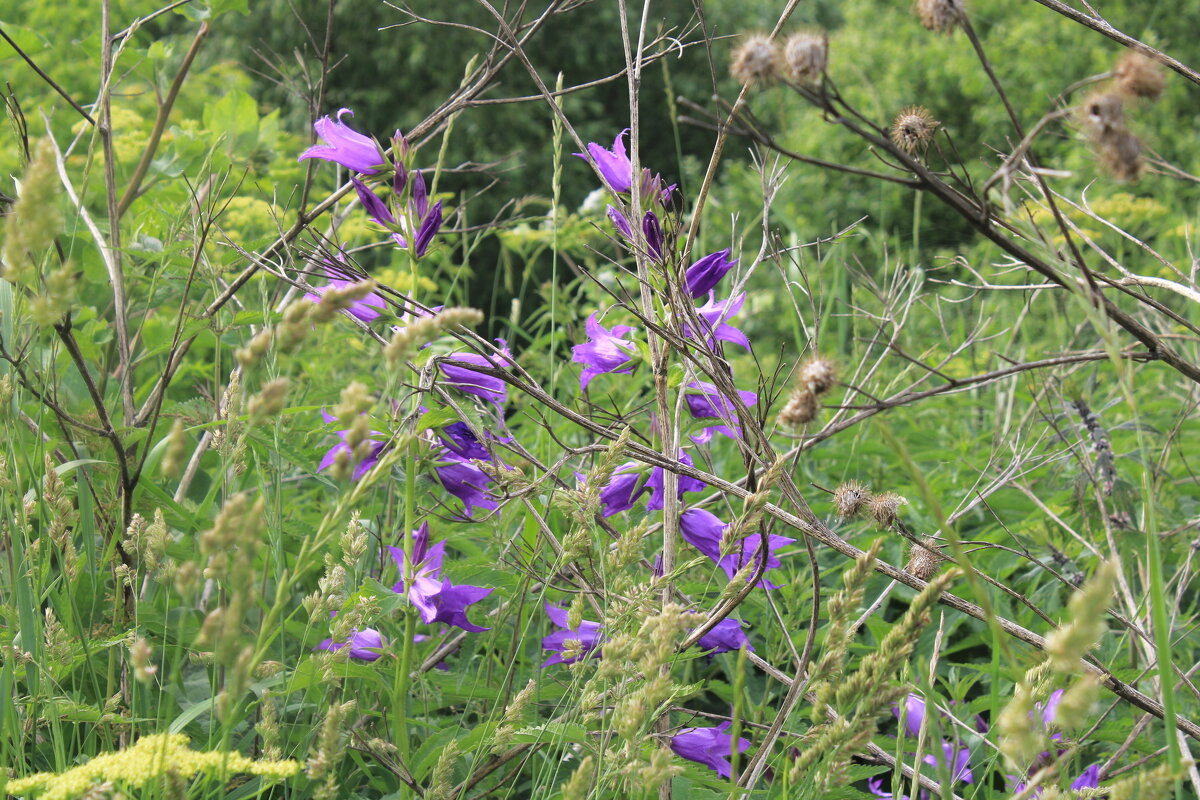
(148, 760)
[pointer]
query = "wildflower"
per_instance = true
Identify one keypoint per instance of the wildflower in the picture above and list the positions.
(364, 466)
(654, 235)
(914, 714)
(365, 645)
(425, 218)
(613, 164)
(714, 314)
(957, 760)
(607, 351)
(708, 272)
(754, 62)
(725, 636)
(587, 638)
(706, 532)
(345, 146)
(373, 205)
(465, 481)
(435, 597)
(708, 746)
(705, 401)
(629, 482)
(620, 223)
(461, 442)
(460, 370)
(423, 581)
(365, 309)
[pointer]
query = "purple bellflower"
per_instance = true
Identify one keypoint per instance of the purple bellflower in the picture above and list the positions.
(607, 351)
(613, 165)
(704, 530)
(714, 314)
(460, 371)
(425, 218)
(435, 598)
(331, 454)
(466, 481)
(708, 746)
(705, 401)
(630, 482)
(914, 714)
(705, 274)
(654, 484)
(366, 309)
(345, 146)
(587, 634)
(725, 636)
(365, 645)
(956, 760)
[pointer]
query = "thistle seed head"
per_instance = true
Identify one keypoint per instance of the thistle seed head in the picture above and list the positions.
(801, 409)
(913, 129)
(1103, 114)
(942, 16)
(883, 508)
(1121, 156)
(1139, 76)
(850, 498)
(817, 375)
(804, 57)
(924, 558)
(754, 61)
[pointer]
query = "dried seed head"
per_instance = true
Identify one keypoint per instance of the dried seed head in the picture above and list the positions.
(849, 499)
(924, 558)
(883, 508)
(754, 62)
(1139, 76)
(942, 16)
(1103, 114)
(1121, 156)
(913, 129)
(817, 375)
(801, 409)
(804, 56)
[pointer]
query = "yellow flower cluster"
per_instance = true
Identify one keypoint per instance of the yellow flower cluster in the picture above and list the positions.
(151, 758)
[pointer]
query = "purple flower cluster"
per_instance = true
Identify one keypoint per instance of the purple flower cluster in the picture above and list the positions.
(434, 596)
(417, 218)
(458, 453)
(331, 455)
(630, 481)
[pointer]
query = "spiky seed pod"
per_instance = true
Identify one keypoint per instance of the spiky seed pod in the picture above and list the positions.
(913, 129)
(817, 375)
(1103, 114)
(754, 61)
(804, 57)
(1121, 156)
(883, 507)
(1139, 76)
(942, 16)
(924, 558)
(801, 409)
(850, 498)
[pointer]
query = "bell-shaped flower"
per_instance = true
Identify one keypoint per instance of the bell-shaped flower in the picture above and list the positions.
(725, 636)
(466, 481)
(588, 637)
(345, 146)
(607, 351)
(705, 531)
(365, 309)
(654, 484)
(364, 645)
(423, 581)
(705, 401)
(460, 370)
(705, 274)
(450, 605)
(714, 314)
(711, 747)
(362, 467)
(613, 165)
